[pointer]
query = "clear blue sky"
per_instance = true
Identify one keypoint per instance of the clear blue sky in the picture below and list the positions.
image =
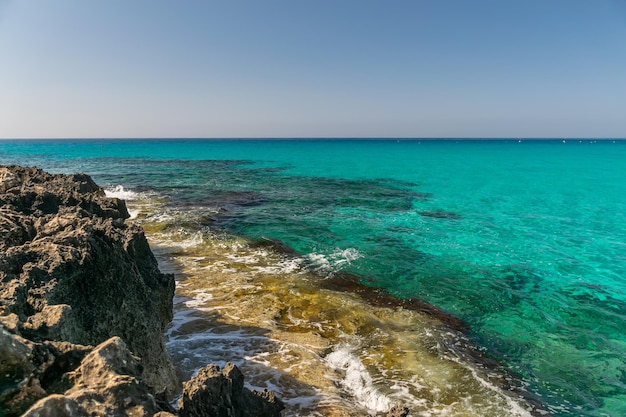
(317, 68)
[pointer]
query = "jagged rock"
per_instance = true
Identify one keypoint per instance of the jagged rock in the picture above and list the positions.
(10, 321)
(72, 274)
(34, 191)
(30, 371)
(53, 322)
(56, 405)
(221, 393)
(71, 270)
(106, 384)
(16, 366)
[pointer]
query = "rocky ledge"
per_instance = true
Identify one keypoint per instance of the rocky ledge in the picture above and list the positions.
(83, 308)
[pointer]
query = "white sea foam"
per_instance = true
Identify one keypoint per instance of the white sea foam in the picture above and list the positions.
(199, 299)
(333, 261)
(119, 191)
(283, 266)
(258, 261)
(194, 240)
(346, 255)
(357, 380)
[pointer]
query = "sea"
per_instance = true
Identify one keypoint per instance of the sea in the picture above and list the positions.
(456, 277)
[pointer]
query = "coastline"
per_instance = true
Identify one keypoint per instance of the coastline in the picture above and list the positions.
(83, 309)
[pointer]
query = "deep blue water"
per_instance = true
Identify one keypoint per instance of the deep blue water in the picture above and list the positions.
(523, 240)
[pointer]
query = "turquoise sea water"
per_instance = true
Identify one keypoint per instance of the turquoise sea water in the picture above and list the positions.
(525, 241)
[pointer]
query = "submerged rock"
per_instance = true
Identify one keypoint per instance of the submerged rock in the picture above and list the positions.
(440, 214)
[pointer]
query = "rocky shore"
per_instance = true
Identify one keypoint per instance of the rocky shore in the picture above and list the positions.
(83, 308)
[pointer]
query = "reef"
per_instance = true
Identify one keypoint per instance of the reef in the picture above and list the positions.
(83, 309)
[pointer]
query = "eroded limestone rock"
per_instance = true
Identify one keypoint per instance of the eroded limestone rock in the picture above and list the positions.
(107, 383)
(221, 393)
(72, 273)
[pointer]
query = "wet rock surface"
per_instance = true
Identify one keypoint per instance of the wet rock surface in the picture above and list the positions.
(83, 307)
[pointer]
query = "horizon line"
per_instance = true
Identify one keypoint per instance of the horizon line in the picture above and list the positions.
(320, 138)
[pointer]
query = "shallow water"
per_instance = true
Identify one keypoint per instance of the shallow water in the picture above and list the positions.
(324, 352)
(522, 241)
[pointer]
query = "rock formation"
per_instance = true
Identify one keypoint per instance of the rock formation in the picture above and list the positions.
(220, 393)
(107, 383)
(74, 275)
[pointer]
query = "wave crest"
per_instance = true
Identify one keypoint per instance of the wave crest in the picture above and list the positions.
(118, 191)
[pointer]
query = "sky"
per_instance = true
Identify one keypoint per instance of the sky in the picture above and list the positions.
(316, 68)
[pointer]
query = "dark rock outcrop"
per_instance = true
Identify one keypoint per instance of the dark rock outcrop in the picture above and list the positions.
(73, 275)
(72, 270)
(220, 393)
